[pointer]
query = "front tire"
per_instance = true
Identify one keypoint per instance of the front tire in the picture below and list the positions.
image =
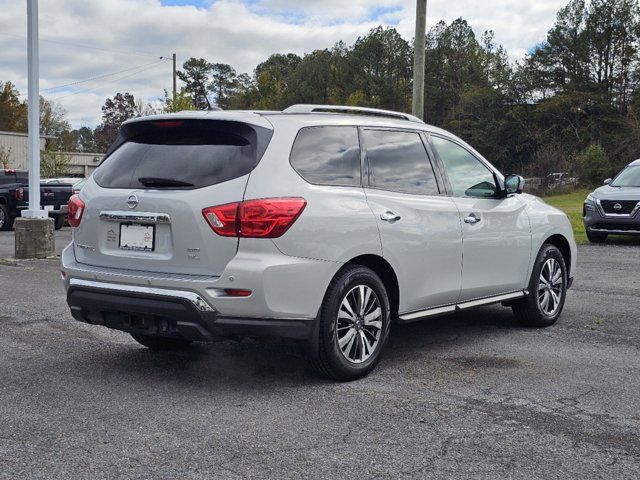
(6, 221)
(547, 290)
(596, 237)
(353, 325)
(160, 343)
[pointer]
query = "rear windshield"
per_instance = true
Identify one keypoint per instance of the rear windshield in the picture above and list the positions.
(181, 154)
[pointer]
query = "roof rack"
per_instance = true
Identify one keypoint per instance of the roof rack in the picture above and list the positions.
(344, 109)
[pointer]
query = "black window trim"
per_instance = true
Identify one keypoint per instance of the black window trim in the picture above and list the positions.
(445, 175)
(327, 184)
(366, 183)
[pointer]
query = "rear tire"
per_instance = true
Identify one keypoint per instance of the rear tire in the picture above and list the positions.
(547, 290)
(596, 237)
(59, 221)
(160, 343)
(353, 325)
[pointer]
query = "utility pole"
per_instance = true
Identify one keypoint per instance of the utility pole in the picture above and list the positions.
(34, 236)
(175, 93)
(418, 59)
(33, 120)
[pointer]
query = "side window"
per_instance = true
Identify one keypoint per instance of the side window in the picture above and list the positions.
(468, 175)
(327, 155)
(398, 162)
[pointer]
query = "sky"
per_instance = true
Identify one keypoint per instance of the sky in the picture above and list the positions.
(93, 39)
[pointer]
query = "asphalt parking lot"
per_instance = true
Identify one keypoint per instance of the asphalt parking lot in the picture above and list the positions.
(465, 396)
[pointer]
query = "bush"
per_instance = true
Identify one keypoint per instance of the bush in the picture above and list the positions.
(594, 165)
(54, 164)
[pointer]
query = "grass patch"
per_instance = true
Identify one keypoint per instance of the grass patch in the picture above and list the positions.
(8, 263)
(571, 204)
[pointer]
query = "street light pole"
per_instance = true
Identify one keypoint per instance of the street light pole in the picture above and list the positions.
(418, 59)
(34, 210)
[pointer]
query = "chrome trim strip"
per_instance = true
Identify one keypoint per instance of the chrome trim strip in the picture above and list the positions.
(615, 232)
(430, 312)
(147, 217)
(195, 299)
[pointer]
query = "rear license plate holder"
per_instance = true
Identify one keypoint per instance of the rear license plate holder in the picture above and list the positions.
(137, 236)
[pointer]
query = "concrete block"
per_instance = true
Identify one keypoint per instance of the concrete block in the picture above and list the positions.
(35, 237)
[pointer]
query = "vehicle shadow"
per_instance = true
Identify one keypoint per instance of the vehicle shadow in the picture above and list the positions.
(261, 364)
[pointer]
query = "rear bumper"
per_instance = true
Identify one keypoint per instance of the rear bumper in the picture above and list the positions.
(170, 313)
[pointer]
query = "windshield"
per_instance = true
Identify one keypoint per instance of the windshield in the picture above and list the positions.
(629, 177)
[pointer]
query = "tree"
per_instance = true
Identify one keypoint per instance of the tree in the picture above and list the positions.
(223, 83)
(183, 101)
(115, 111)
(5, 154)
(594, 165)
(53, 118)
(54, 164)
(13, 112)
(195, 74)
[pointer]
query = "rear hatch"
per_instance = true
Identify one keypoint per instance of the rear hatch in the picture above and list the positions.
(143, 205)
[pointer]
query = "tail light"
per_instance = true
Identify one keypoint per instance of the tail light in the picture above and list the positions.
(76, 209)
(263, 218)
(18, 193)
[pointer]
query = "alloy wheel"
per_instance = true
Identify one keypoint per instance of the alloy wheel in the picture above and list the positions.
(359, 324)
(551, 287)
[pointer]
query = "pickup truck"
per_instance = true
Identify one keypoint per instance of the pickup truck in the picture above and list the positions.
(14, 197)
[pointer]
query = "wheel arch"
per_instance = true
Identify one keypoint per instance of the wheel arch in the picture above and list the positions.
(387, 274)
(562, 244)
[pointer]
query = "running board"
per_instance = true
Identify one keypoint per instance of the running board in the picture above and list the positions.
(432, 312)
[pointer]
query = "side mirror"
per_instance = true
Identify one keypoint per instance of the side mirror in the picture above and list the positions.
(513, 184)
(607, 181)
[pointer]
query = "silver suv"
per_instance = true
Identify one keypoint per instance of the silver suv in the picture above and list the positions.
(614, 208)
(320, 224)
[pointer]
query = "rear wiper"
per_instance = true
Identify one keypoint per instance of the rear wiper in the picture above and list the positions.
(163, 182)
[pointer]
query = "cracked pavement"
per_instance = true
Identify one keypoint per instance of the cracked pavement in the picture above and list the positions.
(466, 396)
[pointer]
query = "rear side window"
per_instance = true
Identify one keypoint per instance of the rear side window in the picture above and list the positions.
(328, 155)
(182, 154)
(398, 162)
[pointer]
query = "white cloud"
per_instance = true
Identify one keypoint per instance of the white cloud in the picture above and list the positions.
(130, 32)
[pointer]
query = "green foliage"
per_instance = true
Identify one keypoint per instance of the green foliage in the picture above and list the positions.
(183, 101)
(13, 112)
(5, 153)
(594, 165)
(195, 75)
(54, 164)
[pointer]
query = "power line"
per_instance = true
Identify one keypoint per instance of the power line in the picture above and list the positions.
(140, 70)
(97, 77)
(91, 47)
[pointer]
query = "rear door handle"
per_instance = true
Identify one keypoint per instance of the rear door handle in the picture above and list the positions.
(472, 219)
(390, 217)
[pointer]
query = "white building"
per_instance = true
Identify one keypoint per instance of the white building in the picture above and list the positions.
(17, 146)
(81, 164)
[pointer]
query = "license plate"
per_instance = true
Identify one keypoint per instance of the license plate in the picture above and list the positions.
(137, 237)
(48, 208)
